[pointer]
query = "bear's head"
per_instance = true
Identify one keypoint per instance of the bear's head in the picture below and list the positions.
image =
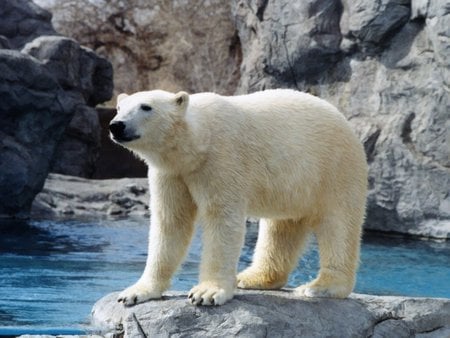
(145, 120)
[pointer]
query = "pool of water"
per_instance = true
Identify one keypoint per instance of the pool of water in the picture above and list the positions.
(51, 273)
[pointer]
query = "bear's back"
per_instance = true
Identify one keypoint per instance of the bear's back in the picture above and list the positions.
(282, 111)
(276, 103)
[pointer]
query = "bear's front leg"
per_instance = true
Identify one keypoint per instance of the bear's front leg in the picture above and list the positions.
(172, 224)
(223, 238)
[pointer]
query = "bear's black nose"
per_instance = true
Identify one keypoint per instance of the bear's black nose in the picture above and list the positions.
(117, 128)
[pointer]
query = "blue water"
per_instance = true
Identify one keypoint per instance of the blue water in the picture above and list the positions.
(51, 273)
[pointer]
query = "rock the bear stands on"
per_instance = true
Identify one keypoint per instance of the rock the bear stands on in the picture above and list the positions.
(287, 157)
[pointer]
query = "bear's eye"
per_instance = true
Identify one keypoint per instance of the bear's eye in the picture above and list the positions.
(146, 107)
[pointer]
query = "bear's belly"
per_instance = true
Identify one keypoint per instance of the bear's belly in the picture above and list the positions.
(267, 203)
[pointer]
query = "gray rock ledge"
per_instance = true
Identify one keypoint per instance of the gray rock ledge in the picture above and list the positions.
(276, 314)
(69, 196)
(66, 196)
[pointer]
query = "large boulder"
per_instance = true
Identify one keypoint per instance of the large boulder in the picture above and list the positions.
(47, 90)
(35, 111)
(22, 21)
(276, 314)
(385, 64)
(27, 27)
(77, 69)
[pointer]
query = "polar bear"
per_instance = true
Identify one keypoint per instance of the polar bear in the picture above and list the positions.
(284, 156)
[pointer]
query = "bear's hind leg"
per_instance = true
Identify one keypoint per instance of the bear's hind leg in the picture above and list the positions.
(339, 245)
(278, 248)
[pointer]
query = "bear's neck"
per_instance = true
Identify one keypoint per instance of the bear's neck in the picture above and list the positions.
(184, 151)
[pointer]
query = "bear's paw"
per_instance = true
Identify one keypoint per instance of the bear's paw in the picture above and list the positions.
(314, 289)
(138, 293)
(209, 294)
(252, 278)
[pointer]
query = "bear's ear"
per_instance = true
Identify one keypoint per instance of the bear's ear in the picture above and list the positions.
(120, 97)
(182, 99)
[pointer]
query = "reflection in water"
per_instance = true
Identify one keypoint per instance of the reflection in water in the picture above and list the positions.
(51, 273)
(34, 239)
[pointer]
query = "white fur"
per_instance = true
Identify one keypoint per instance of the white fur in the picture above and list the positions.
(282, 155)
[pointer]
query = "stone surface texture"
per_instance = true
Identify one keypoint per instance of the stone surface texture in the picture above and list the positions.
(47, 87)
(160, 44)
(70, 196)
(80, 71)
(35, 111)
(22, 21)
(277, 314)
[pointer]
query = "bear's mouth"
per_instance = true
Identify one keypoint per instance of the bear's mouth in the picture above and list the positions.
(123, 138)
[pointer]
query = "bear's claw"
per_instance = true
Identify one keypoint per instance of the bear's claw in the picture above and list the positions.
(137, 293)
(125, 300)
(207, 294)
